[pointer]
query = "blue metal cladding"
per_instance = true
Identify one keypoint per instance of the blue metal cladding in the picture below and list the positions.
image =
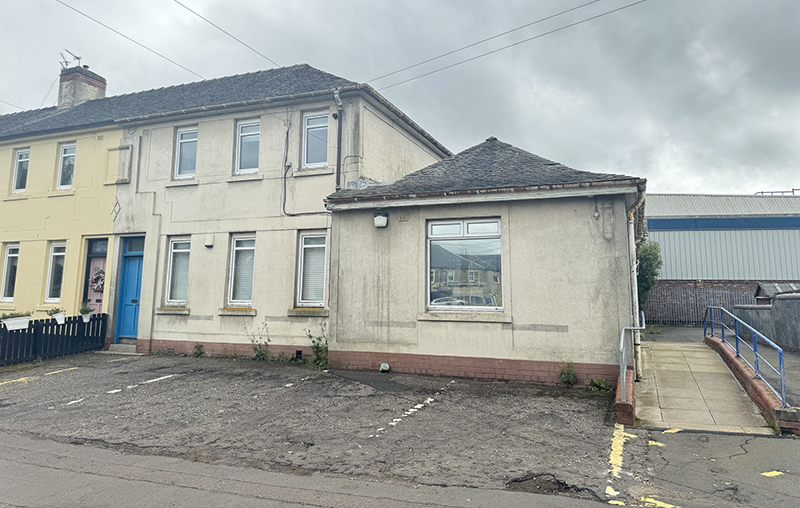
(722, 223)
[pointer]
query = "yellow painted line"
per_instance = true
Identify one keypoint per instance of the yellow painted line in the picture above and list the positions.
(616, 503)
(655, 443)
(654, 502)
(118, 360)
(22, 379)
(770, 474)
(617, 442)
(611, 492)
(60, 371)
(672, 431)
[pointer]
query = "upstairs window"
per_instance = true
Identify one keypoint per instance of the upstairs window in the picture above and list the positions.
(66, 166)
(55, 274)
(243, 255)
(469, 252)
(247, 137)
(178, 272)
(186, 153)
(311, 271)
(9, 273)
(315, 139)
(21, 171)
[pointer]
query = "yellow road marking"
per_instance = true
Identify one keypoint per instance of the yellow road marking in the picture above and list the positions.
(770, 474)
(617, 441)
(611, 492)
(617, 503)
(653, 502)
(22, 379)
(655, 443)
(59, 371)
(118, 360)
(672, 431)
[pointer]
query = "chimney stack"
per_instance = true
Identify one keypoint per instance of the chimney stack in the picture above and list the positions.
(79, 84)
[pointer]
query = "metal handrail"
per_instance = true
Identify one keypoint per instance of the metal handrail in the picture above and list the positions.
(623, 357)
(758, 359)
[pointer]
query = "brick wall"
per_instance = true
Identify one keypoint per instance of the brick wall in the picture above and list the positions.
(471, 367)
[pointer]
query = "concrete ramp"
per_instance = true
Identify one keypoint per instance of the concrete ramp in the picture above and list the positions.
(686, 385)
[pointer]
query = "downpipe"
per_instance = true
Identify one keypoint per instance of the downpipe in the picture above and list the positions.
(338, 117)
(637, 337)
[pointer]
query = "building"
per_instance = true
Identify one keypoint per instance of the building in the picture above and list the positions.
(208, 195)
(494, 263)
(717, 248)
(58, 166)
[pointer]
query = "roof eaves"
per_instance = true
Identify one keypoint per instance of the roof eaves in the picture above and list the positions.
(423, 195)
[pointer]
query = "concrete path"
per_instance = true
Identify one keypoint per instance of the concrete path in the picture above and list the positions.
(36, 473)
(686, 385)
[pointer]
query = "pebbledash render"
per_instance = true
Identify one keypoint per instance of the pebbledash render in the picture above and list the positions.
(494, 263)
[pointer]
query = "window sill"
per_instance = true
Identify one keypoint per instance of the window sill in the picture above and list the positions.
(16, 197)
(7, 306)
(173, 311)
(121, 181)
(487, 316)
(237, 311)
(183, 183)
(324, 170)
(60, 193)
(308, 312)
(247, 177)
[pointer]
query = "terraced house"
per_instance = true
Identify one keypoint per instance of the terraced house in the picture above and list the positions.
(204, 201)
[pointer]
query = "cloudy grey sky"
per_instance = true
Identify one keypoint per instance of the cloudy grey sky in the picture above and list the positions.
(695, 96)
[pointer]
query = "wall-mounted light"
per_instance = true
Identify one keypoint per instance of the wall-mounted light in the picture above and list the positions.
(381, 219)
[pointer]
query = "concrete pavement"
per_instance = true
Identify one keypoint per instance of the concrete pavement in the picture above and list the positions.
(686, 385)
(38, 473)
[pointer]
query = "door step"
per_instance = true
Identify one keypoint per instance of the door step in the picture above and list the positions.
(122, 349)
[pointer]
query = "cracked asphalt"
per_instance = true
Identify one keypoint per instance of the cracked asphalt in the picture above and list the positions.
(396, 429)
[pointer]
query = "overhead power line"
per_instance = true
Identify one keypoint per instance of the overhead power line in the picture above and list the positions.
(251, 48)
(13, 105)
(514, 44)
(481, 41)
(133, 41)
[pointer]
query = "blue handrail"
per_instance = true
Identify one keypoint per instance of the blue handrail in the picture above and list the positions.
(708, 326)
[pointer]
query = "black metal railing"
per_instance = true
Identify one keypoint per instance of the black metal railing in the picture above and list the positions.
(45, 338)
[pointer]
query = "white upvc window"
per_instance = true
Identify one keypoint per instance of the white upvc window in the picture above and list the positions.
(55, 273)
(20, 180)
(315, 139)
(9, 272)
(468, 250)
(185, 152)
(178, 272)
(240, 287)
(247, 141)
(66, 166)
(311, 270)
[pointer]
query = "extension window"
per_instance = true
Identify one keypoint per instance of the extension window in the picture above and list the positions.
(465, 263)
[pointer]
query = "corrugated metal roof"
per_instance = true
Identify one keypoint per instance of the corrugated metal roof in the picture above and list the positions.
(720, 205)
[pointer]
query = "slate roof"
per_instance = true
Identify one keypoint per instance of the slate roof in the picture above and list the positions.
(284, 82)
(489, 166)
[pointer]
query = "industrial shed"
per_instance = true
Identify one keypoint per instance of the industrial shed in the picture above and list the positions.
(716, 250)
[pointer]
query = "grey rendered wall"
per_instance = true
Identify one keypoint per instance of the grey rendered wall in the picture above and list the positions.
(779, 322)
(566, 287)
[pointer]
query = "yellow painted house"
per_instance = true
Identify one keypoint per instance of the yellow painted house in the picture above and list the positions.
(58, 173)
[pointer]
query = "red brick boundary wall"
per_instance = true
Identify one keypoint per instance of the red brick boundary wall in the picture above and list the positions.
(215, 348)
(783, 420)
(471, 367)
(623, 411)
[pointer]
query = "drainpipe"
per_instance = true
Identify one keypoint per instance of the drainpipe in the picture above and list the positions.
(637, 338)
(338, 117)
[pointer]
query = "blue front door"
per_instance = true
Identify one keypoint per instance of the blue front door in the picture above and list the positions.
(130, 285)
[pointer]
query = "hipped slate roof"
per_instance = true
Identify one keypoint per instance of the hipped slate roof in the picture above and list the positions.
(489, 166)
(229, 91)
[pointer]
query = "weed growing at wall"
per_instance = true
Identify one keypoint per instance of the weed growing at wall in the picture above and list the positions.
(259, 338)
(198, 350)
(568, 376)
(319, 347)
(599, 385)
